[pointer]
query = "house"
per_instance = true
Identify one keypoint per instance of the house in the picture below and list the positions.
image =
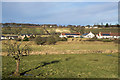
(70, 35)
(3, 37)
(12, 37)
(95, 27)
(108, 35)
(86, 27)
(90, 27)
(8, 37)
(88, 35)
(23, 35)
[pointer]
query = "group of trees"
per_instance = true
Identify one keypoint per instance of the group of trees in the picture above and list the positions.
(48, 40)
(19, 24)
(78, 29)
(106, 25)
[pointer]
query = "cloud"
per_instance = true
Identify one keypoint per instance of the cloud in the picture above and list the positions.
(60, 13)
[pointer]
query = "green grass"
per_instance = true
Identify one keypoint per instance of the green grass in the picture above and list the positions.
(67, 65)
(64, 66)
(113, 30)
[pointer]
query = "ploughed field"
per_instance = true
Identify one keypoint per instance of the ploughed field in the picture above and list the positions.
(63, 66)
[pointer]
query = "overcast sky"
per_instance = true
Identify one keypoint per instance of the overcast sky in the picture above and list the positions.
(78, 13)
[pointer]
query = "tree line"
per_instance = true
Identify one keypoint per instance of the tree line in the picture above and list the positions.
(54, 25)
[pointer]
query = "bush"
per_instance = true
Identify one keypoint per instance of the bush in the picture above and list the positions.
(107, 40)
(51, 40)
(117, 41)
(26, 38)
(32, 38)
(90, 40)
(40, 40)
(57, 38)
(63, 39)
(99, 39)
(70, 37)
(18, 39)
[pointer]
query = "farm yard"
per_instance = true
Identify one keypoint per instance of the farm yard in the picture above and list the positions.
(84, 59)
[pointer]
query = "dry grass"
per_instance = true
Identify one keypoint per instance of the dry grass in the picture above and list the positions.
(65, 47)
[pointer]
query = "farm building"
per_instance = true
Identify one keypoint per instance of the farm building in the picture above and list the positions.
(88, 27)
(108, 35)
(23, 35)
(8, 37)
(88, 35)
(70, 35)
(95, 27)
(3, 37)
(12, 37)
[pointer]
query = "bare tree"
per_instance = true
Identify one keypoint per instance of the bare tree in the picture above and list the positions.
(17, 51)
(46, 30)
(79, 29)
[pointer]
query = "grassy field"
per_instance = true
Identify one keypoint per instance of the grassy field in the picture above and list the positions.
(65, 30)
(66, 47)
(83, 59)
(114, 30)
(63, 66)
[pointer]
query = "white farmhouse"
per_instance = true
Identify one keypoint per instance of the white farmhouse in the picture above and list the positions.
(88, 35)
(95, 27)
(86, 27)
(8, 37)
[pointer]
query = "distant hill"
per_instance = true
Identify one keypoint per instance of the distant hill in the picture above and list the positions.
(52, 25)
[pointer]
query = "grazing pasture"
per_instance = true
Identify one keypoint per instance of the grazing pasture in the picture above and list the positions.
(113, 30)
(63, 66)
(57, 30)
(83, 59)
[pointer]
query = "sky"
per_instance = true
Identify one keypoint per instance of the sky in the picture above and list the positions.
(61, 13)
(60, 0)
